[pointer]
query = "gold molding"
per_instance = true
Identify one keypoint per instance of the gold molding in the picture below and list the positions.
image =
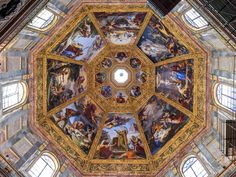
(152, 163)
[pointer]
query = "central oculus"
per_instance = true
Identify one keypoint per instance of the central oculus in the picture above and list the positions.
(121, 76)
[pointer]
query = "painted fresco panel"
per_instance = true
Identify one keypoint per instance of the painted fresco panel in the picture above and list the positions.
(135, 91)
(83, 43)
(158, 43)
(120, 138)
(160, 122)
(106, 91)
(175, 81)
(121, 96)
(64, 81)
(121, 27)
(80, 121)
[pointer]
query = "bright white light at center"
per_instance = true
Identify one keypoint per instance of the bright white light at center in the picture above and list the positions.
(121, 76)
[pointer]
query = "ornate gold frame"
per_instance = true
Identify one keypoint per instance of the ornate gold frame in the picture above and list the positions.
(86, 163)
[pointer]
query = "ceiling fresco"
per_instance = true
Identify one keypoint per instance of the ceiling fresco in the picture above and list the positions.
(112, 67)
(120, 27)
(80, 121)
(158, 43)
(120, 90)
(160, 122)
(120, 138)
(83, 43)
(64, 81)
(175, 81)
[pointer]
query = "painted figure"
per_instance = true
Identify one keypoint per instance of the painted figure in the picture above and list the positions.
(120, 139)
(121, 56)
(135, 91)
(80, 121)
(106, 91)
(121, 97)
(175, 80)
(141, 77)
(158, 43)
(160, 122)
(100, 77)
(106, 63)
(65, 81)
(83, 43)
(122, 27)
(135, 63)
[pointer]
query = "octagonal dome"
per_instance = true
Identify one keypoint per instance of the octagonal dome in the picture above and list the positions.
(119, 89)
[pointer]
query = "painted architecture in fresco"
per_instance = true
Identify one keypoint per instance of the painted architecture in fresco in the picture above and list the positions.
(158, 43)
(80, 121)
(64, 81)
(120, 27)
(160, 122)
(83, 43)
(175, 81)
(120, 138)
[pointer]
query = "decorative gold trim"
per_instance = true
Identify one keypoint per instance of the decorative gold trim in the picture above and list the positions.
(179, 58)
(152, 163)
(95, 23)
(176, 105)
(144, 25)
(63, 59)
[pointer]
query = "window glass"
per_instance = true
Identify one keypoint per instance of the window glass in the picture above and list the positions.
(193, 168)
(42, 20)
(12, 95)
(44, 166)
(195, 19)
(226, 96)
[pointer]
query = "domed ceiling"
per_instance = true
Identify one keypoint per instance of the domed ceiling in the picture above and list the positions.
(119, 90)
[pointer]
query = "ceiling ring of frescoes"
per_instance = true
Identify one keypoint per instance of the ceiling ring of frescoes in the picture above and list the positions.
(102, 125)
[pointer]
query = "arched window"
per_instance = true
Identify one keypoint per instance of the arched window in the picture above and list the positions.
(13, 95)
(195, 19)
(45, 165)
(226, 96)
(42, 20)
(193, 168)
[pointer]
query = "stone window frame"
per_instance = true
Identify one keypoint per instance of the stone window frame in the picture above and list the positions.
(51, 156)
(189, 21)
(189, 26)
(48, 26)
(217, 102)
(23, 99)
(186, 158)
